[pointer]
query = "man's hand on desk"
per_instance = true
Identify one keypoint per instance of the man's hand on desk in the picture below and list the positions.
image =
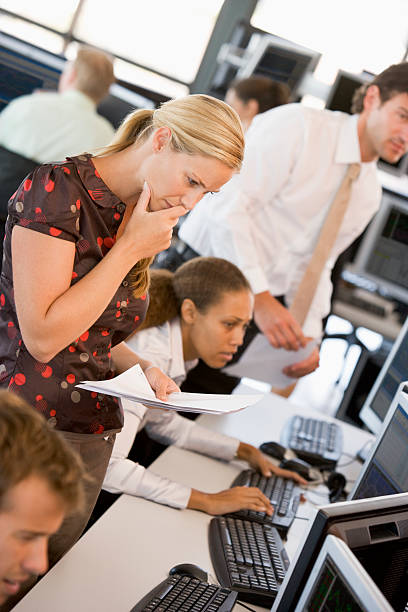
(262, 464)
(276, 323)
(297, 370)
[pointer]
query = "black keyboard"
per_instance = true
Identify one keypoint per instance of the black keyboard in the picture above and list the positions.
(248, 558)
(282, 492)
(186, 593)
(318, 442)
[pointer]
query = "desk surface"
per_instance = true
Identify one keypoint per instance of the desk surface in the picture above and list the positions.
(133, 545)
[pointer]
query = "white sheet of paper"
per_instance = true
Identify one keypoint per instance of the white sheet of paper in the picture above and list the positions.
(133, 385)
(262, 361)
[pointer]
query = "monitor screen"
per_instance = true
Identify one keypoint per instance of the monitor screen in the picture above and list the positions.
(386, 469)
(342, 91)
(279, 59)
(338, 582)
(383, 253)
(392, 373)
(366, 526)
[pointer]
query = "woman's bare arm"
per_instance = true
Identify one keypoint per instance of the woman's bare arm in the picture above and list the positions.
(52, 313)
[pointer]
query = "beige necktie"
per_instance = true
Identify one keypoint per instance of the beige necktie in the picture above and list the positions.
(307, 288)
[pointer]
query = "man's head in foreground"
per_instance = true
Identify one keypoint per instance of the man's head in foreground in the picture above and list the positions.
(41, 482)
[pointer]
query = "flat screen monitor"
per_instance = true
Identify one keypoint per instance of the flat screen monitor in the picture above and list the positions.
(279, 59)
(392, 373)
(375, 529)
(251, 51)
(342, 91)
(382, 256)
(338, 582)
(385, 470)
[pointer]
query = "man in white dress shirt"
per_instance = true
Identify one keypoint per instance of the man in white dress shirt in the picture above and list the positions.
(49, 126)
(267, 219)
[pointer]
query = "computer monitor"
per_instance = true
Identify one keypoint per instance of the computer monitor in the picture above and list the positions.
(375, 529)
(385, 470)
(279, 59)
(252, 51)
(392, 373)
(338, 581)
(382, 256)
(342, 91)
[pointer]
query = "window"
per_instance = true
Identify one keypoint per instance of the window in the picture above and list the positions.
(169, 37)
(55, 15)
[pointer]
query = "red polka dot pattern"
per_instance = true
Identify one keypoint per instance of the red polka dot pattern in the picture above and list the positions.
(20, 379)
(49, 186)
(69, 201)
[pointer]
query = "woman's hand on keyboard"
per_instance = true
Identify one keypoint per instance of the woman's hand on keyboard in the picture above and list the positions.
(231, 500)
(262, 464)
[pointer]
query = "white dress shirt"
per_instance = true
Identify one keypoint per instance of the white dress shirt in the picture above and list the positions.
(163, 347)
(267, 219)
(50, 126)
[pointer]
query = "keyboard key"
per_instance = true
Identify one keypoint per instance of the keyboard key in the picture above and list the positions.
(186, 594)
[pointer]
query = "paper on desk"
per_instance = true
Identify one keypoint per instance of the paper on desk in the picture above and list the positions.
(133, 385)
(262, 361)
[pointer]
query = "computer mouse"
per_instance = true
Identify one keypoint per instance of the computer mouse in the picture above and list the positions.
(189, 569)
(297, 465)
(274, 449)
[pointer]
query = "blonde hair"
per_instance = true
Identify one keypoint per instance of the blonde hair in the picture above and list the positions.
(199, 125)
(93, 73)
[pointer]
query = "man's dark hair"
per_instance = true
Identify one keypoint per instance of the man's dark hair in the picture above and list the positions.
(391, 82)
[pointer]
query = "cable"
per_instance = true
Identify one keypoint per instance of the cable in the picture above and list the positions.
(245, 606)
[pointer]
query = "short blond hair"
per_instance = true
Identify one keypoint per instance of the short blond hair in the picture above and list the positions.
(93, 72)
(29, 447)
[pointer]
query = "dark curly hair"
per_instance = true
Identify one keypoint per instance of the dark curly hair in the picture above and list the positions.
(204, 280)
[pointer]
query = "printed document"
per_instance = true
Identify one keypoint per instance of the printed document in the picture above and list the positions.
(133, 385)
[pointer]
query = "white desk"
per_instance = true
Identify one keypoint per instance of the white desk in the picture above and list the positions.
(134, 544)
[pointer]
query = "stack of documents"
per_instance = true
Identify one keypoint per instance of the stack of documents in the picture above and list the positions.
(133, 385)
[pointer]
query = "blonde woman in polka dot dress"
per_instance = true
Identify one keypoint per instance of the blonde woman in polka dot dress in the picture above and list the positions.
(80, 237)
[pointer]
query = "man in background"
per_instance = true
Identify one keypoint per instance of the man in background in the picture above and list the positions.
(41, 482)
(49, 126)
(268, 218)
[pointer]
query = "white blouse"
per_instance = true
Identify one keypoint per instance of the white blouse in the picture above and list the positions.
(163, 347)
